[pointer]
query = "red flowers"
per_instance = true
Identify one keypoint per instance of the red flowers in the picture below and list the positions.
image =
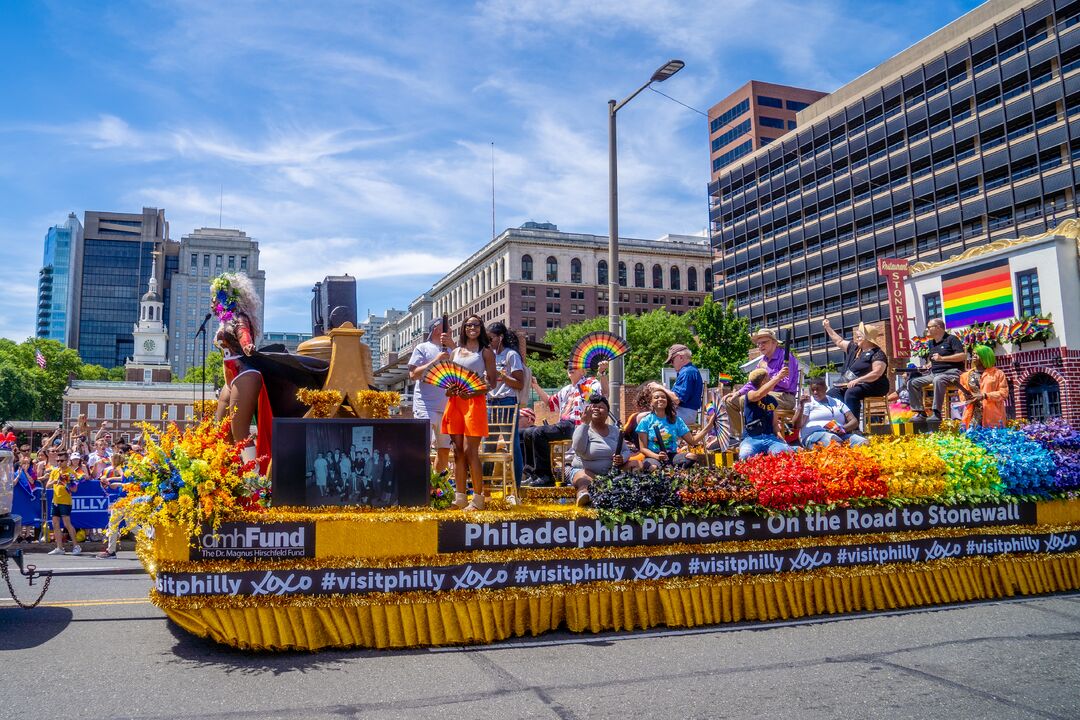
(824, 475)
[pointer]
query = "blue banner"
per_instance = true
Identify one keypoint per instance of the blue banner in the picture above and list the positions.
(89, 505)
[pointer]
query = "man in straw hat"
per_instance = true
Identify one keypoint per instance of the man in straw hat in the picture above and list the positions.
(773, 359)
(865, 366)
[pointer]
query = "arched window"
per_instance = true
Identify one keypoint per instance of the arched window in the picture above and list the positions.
(639, 275)
(676, 283)
(526, 267)
(575, 271)
(691, 278)
(622, 273)
(708, 280)
(1042, 396)
(601, 273)
(657, 276)
(552, 269)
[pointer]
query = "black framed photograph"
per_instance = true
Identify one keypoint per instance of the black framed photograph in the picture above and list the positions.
(378, 463)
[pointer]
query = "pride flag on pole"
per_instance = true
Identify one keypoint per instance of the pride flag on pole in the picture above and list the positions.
(978, 294)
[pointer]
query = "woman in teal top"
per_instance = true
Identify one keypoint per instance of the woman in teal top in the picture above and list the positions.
(659, 433)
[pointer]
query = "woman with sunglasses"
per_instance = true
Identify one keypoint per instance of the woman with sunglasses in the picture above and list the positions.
(465, 417)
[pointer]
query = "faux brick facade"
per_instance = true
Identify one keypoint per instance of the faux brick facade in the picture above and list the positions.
(1060, 363)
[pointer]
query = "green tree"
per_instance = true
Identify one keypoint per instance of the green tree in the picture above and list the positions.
(723, 339)
(215, 371)
(18, 397)
(48, 383)
(650, 335)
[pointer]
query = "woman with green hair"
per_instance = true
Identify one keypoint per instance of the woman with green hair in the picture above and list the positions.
(987, 389)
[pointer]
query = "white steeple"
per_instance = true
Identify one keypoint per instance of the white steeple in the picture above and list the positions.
(151, 335)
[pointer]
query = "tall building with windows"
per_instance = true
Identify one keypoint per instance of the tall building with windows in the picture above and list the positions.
(968, 136)
(535, 278)
(112, 277)
(204, 254)
(58, 282)
(752, 117)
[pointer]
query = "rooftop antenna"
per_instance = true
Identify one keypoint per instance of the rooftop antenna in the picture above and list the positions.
(221, 202)
(493, 189)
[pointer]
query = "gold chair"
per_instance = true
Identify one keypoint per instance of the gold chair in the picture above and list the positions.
(876, 418)
(557, 455)
(500, 447)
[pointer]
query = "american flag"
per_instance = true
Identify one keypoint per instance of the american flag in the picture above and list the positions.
(39, 359)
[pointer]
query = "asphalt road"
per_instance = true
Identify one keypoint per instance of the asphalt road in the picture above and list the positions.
(98, 649)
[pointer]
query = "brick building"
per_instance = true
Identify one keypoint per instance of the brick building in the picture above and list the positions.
(127, 405)
(1043, 280)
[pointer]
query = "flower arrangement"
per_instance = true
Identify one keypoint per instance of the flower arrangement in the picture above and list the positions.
(442, 490)
(1028, 329)
(783, 482)
(204, 409)
(705, 487)
(321, 402)
(225, 298)
(970, 471)
(1063, 442)
(984, 333)
(1025, 466)
(908, 469)
(846, 473)
(920, 346)
(188, 479)
(376, 404)
(625, 495)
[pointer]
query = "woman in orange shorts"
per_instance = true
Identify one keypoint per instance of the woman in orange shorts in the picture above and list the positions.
(465, 417)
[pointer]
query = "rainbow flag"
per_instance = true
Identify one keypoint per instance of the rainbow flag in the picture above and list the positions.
(979, 294)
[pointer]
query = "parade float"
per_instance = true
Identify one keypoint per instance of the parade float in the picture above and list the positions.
(903, 522)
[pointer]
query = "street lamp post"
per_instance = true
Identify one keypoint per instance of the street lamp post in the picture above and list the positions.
(616, 370)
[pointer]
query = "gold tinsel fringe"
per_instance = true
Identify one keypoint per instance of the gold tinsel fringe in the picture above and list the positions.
(465, 617)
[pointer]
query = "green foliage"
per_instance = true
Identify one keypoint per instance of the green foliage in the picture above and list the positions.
(48, 384)
(650, 335)
(821, 370)
(215, 371)
(724, 338)
(18, 398)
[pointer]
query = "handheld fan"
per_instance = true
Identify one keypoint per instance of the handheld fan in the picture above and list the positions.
(445, 374)
(597, 346)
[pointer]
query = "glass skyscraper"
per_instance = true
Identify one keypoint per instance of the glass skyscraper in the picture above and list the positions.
(970, 135)
(117, 257)
(58, 287)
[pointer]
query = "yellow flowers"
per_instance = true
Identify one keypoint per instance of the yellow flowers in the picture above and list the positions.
(910, 470)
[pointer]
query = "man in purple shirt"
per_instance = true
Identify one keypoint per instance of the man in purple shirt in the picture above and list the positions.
(772, 360)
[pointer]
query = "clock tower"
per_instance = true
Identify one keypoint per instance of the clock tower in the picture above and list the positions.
(151, 360)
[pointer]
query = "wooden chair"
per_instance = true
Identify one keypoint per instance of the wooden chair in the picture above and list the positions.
(876, 418)
(500, 447)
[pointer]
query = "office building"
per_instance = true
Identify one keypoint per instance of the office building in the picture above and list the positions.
(117, 257)
(58, 282)
(291, 340)
(968, 136)
(203, 254)
(372, 328)
(752, 117)
(536, 278)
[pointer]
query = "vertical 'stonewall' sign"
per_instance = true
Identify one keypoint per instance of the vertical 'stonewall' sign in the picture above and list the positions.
(896, 272)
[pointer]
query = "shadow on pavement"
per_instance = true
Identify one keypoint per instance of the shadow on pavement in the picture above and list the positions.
(24, 629)
(192, 651)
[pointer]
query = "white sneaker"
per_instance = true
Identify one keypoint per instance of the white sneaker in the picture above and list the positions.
(56, 551)
(77, 550)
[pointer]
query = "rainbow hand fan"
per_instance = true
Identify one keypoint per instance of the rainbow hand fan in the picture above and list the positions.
(446, 375)
(597, 346)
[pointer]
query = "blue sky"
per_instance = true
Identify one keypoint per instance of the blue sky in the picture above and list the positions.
(356, 137)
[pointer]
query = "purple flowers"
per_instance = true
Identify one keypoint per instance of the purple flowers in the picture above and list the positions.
(1063, 441)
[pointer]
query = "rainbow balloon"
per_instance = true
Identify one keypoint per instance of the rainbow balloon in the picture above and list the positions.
(597, 346)
(446, 375)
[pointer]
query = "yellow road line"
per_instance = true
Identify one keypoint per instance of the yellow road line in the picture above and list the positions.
(83, 603)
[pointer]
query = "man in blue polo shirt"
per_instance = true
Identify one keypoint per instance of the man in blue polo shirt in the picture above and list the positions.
(688, 387)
